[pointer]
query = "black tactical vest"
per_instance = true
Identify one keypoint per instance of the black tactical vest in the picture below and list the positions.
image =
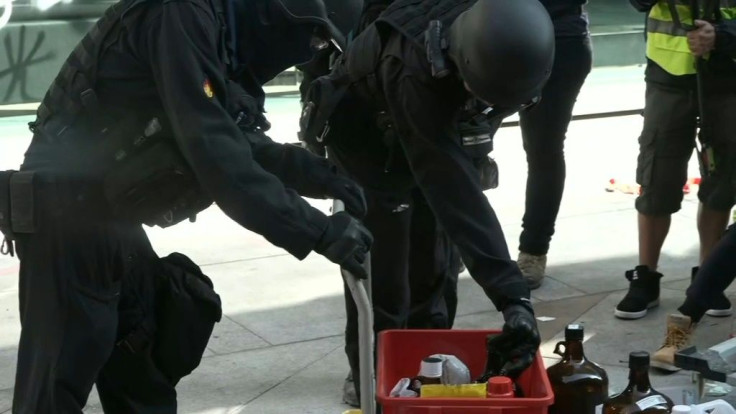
(149, 182)
(412, 17)
(72, 90)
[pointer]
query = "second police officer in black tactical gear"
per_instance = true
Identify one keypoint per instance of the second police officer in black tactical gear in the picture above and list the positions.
(156, 114)
(405, 79)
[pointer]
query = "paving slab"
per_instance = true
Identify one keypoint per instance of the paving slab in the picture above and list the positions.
(6, 401)
(317, 389)
(9, 319)
(283, 300)
(229, 337)
(8, 359)
(609, 340)
(235, 380)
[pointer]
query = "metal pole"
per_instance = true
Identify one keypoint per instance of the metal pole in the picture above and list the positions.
(360, 291)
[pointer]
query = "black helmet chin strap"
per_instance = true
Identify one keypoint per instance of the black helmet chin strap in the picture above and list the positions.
(436, 45)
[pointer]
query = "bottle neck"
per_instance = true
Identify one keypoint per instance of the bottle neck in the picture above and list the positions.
(574, 350)
(639, 379)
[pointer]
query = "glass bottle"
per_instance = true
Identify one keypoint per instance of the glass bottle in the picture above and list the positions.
(639, 396)
(579, 384)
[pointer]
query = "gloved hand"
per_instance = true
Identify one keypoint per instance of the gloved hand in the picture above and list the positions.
(350, 193)
(516, 347)
(346, 242)
(245, 109)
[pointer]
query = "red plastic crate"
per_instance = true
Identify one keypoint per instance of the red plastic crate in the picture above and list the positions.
(401, 351)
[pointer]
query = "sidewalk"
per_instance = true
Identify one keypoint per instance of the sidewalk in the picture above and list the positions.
(279, 346)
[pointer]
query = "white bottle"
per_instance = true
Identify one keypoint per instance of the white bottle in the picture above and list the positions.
(716, 407)
(713, 407)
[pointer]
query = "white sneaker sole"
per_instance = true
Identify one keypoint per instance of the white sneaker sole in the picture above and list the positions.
(664, 366)
(720, 313)
(635, 315)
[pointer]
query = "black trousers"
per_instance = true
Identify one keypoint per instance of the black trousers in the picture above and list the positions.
(413, 274)
(83, 287)
(543, 129)
(715, 275)
(410, 270)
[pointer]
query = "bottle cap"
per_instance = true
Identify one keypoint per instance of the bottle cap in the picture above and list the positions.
(500, 386)
(638, 359)
(574, 332)
(681, 409)
(431, 368)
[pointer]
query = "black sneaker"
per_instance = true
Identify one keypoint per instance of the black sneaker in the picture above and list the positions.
(643, 293)
(721, 306)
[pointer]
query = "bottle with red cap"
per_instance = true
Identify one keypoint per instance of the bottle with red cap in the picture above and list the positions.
(500, 387)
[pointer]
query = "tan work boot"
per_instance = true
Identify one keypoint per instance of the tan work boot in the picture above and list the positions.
(533, 268)
(679, 333)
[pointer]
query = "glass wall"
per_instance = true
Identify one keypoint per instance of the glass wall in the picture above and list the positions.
(37, 41)
(618, 32)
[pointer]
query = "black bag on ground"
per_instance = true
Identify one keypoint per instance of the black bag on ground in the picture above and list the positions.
(187, 310)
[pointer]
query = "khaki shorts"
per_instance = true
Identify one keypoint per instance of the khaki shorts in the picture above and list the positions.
(666, 145)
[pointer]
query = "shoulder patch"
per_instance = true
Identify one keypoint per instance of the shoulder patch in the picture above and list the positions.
(207, 87)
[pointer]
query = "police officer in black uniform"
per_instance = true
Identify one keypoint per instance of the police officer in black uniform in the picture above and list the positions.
(156, 114)
(408, 77)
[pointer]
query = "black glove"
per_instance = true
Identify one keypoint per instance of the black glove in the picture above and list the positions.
(351, 194)
(346, 242)
(245, 109)
(515, 348)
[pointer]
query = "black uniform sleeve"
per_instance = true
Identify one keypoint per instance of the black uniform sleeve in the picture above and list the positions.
(183, 53)
(726, 37)
(297, 168)
(450, 182)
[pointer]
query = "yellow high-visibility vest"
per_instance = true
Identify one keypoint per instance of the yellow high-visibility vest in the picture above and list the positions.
(667, 43)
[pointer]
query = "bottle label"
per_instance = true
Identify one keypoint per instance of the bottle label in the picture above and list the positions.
(652, 401)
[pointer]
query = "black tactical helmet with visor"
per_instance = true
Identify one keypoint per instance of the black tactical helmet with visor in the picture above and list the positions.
(503, 50)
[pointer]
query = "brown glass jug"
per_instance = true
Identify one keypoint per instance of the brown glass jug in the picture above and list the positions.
(579, 384)
(639, 396)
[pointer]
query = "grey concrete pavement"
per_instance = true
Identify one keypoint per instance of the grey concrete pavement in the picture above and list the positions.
(279, 346)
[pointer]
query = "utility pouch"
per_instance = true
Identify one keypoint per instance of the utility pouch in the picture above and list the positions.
(151, 183)
(321, 100)
(187, 309)
(488, 170)
(17, 207)
(22, 203)
(7, 247)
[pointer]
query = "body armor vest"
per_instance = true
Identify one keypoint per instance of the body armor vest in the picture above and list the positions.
(411, 17)
(72, 91)
(149, 182)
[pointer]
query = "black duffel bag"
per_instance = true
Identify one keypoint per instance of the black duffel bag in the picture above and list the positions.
(187, 309)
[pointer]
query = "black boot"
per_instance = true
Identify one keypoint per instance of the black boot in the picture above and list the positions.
(643, 293)
(721, 306)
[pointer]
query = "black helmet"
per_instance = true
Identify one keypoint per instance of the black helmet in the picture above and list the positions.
(338, 17)
(504, 50)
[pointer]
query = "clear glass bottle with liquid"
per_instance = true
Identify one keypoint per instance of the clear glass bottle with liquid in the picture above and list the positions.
(639, 396)
(579, 384)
